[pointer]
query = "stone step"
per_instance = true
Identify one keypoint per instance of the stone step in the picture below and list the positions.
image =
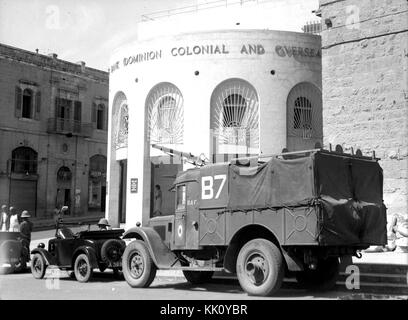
(382, 268)
(378, 278)
(376, 287)
(393, 282)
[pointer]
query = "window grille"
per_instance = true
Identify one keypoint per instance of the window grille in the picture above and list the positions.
(24, 160)
(304, 112)
(123, 123)
(235, 114)
(165, 115)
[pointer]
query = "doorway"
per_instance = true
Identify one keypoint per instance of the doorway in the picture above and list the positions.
(122, 191)
(163, 176)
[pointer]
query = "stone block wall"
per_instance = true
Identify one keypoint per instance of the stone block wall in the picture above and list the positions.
(365, 85)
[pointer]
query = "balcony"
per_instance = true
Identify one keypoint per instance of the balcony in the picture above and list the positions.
(68, 126)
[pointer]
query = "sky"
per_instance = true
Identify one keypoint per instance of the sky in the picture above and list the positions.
(90, 30)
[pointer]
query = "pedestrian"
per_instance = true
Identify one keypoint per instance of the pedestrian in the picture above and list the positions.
(26, 227)
(103, 224)
(157, 201)
(14, 221)
(4, 219)
(12, 210)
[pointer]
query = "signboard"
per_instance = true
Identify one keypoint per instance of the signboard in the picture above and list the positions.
(134, 185)
(216, 49)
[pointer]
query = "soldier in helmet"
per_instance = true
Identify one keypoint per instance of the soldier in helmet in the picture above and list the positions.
(26, 227)
(103, 224)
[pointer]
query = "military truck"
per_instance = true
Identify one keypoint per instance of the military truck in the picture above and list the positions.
(294, 215)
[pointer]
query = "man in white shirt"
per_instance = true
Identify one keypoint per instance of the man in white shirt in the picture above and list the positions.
(4, 219)
(14, 220)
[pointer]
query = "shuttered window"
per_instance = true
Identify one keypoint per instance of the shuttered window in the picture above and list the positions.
(27, 103)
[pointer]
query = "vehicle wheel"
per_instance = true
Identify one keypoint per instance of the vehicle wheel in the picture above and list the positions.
(197, 277)
(323, 278)
(21, 265)
(138, 267)
(82, 268)
(260, 267)
(38, 266)
(6, 270)
(112, 250)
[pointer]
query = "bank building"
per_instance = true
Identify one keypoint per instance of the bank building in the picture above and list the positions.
(217, 93)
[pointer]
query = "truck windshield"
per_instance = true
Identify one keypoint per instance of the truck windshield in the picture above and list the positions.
(181, 197)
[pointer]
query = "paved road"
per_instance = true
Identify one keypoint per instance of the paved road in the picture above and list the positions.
(104, 286)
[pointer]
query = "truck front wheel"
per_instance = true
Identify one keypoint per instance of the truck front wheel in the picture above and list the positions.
(138, 267)
(260, 268)
(323, 278)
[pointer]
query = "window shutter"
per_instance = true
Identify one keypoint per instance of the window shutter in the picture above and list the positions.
(37, 106)
(57, 104)
(77, 111)
(94, 113)
(106, 110)
(19, 94)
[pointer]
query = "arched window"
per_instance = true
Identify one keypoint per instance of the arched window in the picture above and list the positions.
(165, 113)
(24, 160)
(120, 121)
(64, 174)
(27, 111)
(304, 112)
(235, 118)
(123, 126)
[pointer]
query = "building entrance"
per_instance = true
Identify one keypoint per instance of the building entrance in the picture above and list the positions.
(122, 191)
(162, 178)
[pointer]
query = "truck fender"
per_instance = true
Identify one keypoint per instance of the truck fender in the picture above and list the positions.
(247, 234)
(48, 257)
(162, 256)
(293, 263)
(90, 252)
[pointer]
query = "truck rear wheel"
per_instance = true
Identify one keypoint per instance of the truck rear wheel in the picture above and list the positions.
(138, 267)
(323, 278)
(197, 277)
(260, 268)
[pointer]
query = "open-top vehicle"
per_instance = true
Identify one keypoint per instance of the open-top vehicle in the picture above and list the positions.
(81, 252)
(13, 255)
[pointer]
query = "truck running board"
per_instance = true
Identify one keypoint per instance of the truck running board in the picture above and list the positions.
(195, 268)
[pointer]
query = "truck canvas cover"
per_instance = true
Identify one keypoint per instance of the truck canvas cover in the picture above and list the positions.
(348, 190)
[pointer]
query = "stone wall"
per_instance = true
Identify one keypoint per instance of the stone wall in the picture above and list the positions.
(365, 85)
(49, 75)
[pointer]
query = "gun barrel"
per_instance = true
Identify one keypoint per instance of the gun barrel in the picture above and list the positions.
(171, 151)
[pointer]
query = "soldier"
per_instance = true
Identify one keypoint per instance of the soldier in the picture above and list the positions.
(103, 224)
(157, 201)
(26, 227)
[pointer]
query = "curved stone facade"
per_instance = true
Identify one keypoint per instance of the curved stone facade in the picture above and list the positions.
(220, 94)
